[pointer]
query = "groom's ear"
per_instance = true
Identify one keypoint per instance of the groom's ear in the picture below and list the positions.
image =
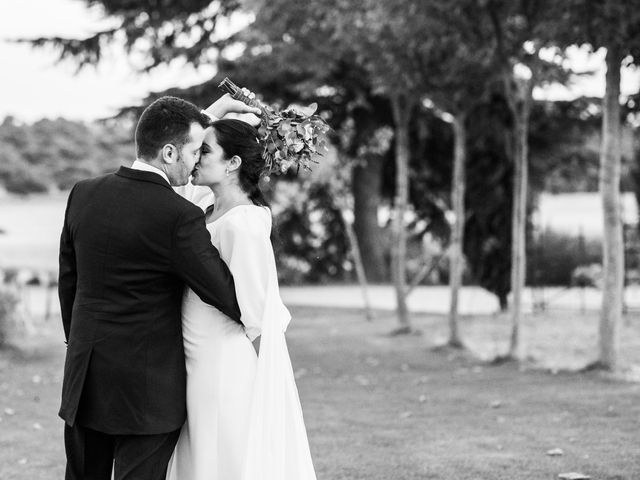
(169, 153)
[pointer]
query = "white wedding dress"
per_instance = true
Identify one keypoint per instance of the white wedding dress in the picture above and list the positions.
(244, 419)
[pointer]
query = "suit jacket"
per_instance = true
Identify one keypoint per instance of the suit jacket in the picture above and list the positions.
(128, 247)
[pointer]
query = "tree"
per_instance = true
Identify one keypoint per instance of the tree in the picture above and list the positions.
(386, 41)
(615, 26)
(160, 32)
(520, 32)
(55, 154)
(490, 193)
(279, 40)
(459, 82)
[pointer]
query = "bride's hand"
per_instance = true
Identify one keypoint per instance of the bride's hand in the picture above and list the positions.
(226, 105)
(249, 118)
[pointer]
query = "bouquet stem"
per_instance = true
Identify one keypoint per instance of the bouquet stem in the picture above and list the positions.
(237, 93)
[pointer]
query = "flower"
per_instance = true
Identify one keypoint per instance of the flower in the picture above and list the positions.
(291, 138)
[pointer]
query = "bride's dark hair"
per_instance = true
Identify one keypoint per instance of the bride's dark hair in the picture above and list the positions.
(239, 138)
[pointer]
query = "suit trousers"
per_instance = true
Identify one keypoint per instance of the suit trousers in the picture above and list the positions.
(91, 455)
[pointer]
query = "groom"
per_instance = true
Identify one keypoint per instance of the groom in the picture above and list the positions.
(129, 245)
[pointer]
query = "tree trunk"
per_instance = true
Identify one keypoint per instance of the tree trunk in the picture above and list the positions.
(357, 260)
(366, 182)
(613, 252)
(503, 301)
(401, 114)
(520, 102)
(456, 264)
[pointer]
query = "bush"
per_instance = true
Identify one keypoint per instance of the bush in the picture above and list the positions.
(309, 239)
(553, 257)
(587, 276)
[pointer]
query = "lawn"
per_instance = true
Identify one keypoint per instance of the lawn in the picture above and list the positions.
(382, 408)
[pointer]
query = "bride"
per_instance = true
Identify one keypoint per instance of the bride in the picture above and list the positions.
(244, 420)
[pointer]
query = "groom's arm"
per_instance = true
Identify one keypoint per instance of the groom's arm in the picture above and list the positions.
(199, 264)
(68, 276)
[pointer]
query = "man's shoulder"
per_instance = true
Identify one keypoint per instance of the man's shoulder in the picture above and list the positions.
(88, 186)
(89, 182)
(185, 207)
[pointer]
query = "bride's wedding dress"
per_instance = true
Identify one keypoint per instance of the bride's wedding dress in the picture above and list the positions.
(244, 420)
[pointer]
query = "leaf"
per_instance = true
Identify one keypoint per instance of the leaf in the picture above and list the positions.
(296, 146)
(291, 137)
(311, 108)
(284, 128)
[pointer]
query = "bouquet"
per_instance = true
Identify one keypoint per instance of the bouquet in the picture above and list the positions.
(291, 138)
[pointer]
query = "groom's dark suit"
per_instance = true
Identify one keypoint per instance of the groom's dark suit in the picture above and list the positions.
(128, 247)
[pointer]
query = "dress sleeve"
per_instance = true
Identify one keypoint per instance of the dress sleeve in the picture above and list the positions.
(245, 246)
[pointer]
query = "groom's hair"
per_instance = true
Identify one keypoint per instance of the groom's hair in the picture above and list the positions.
(167, 120)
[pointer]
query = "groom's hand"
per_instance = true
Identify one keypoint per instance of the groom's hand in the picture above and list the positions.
(226, 105)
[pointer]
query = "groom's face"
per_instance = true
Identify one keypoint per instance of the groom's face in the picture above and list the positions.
(187, 156)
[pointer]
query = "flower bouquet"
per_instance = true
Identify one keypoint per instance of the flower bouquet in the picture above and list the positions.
(291, 138)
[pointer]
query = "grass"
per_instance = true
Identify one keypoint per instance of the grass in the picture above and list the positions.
(382, 408)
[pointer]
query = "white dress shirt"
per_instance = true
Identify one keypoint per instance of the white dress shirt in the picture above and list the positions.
(139, 165)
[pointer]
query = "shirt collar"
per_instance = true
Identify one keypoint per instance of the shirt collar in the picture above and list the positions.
(140, 165)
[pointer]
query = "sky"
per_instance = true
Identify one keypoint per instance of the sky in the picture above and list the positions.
(34, 86)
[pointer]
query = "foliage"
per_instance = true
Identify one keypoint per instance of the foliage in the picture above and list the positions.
(352, 57)
(55, 154)
(601, 24)
(291, 137)
(565, 141)
(555, 256)
(159, 32)
(489, 199)
(587, 276)
(309, 238)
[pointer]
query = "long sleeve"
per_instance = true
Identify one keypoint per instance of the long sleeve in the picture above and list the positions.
(245, 246)
(277, 446)
(67, 273)
(199, 264)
